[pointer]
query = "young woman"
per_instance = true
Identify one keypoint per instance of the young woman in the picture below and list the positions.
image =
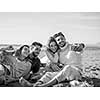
(18, 65)
(52, 54)
(21, 58)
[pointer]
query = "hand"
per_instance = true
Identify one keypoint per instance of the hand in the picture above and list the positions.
(38, 84)
(44, 48)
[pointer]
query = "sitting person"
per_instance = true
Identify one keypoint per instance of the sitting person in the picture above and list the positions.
(35, 50)
(72, 71)
(18, 66)
(52, 53)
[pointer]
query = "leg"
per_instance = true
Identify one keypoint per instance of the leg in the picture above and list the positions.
(46, 78)
(68, 73)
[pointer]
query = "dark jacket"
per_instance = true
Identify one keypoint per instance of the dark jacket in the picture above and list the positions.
(35, 61)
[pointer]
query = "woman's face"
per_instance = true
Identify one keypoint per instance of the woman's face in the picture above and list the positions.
(25, 51)
(53, 46)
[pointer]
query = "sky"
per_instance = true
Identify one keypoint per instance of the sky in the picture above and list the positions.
(27, 27)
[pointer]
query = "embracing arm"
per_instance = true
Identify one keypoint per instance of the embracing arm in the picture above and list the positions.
(52, 58)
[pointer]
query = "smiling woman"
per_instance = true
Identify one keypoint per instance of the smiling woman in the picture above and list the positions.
(18, 66)
(22, 52)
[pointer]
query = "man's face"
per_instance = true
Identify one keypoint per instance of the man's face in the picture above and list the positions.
(61, 41)
(35, 49)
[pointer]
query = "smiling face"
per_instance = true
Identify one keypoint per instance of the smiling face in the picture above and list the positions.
(61, 41)
(53, 46)
(35, 49)
(25, 51)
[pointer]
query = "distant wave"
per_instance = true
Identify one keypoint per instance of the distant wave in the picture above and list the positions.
(93, 48)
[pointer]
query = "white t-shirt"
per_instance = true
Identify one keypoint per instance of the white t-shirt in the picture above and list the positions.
(63, 54)
(74, 58)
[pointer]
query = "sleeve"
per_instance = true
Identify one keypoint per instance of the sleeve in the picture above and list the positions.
(43, 52)
(36, 66)
(52, 58)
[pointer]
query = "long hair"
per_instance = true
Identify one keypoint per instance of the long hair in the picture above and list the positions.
(18, 52)
(52, 40)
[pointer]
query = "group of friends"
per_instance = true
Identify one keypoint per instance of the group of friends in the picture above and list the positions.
(23, 67)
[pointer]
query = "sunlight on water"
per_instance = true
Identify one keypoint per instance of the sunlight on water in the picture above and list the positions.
(91, 61)
(91, 58)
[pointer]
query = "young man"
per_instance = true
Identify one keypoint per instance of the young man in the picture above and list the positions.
(65, 47)
(35, 50)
